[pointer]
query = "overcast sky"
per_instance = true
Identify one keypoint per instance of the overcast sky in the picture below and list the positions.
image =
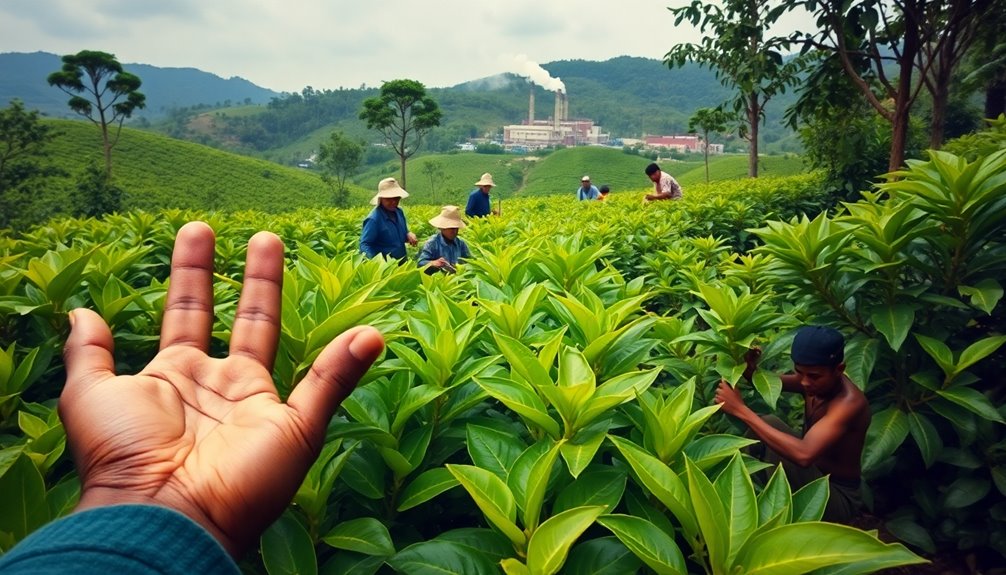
(286, 45)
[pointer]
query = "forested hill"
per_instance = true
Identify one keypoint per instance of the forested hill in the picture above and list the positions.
(23, 76)
(627, 96)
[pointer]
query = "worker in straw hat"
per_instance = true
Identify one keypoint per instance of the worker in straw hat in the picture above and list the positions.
(385, 230)
(445, 249)
(479, 204)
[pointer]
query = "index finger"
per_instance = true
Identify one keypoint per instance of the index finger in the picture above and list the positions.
(257, 323)
(188, 310)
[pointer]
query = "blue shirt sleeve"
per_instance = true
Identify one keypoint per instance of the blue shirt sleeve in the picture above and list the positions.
(429, 252)
(371, 229)
(129, 539)
(470, 207)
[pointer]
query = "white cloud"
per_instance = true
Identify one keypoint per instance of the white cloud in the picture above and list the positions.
(290, 44)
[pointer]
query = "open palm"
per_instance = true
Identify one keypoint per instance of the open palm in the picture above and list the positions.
(208, 437)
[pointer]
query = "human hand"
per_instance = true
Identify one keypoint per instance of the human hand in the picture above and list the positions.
(411, 239)
(729, 398)
(439, 263)
(204, 436)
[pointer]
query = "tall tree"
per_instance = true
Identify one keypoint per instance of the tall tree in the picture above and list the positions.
(434, 171)
(101, 92)
(340, 158)
(891, 50)
(708, 120)
(737, 47)
(403, 114)
(23, 167)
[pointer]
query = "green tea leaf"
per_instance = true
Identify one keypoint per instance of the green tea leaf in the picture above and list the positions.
(804, 547)
(972, 400)
(550, 543)
(287, 548)
(661, 482)
(601, 556)
(601, 487)
(978, 351)
(894, 321)
(887, 431)
(493, 449)
(365, 535)
(648, 542)
(22, 497)
(926, 437)
(437, 557)
(493, 497)
(425, 487)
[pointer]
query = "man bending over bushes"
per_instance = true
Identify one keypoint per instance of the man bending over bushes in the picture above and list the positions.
(836, 417)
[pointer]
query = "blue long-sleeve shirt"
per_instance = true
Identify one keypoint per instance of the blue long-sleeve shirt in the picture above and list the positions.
(479, 204)
(384, 232)
(591, 194)
(437, 247)
(122, 539)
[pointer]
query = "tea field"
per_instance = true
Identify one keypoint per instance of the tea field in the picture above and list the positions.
(549, 407)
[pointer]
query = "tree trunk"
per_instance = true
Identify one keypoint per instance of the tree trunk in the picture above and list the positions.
(753, 123)
(904, 96)
(401, 181)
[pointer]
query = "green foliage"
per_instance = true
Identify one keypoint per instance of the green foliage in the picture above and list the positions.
(403, 114)
(100, 91)
(547, 382)
(96, 195)
(743, 59)
(24, 145)
(339, 159)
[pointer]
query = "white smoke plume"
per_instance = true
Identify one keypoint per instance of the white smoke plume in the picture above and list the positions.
(536, 74)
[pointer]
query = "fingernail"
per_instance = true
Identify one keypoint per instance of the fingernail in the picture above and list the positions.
(359, 347)
(69, 316)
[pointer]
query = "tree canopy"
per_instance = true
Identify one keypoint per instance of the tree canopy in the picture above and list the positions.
(403, 113)
(100, 91)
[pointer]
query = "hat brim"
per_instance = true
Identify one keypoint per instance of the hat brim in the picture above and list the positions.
(441, 223)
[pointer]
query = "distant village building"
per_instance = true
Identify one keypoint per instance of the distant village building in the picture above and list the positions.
(533, 134)
(680, 144)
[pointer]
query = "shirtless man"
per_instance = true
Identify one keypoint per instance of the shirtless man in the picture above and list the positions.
(836, 417)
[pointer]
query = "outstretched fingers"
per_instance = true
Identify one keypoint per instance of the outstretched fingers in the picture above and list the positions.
(333, 377)
(257, 323)
(188, 311)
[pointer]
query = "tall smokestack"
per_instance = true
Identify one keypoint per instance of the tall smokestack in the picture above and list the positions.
(557, 117)
(565, 107)
(530, 108)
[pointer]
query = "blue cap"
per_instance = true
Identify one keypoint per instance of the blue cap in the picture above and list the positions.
(818, 345)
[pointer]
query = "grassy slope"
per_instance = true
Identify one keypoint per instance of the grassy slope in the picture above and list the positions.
(160, 172)
(156, 171)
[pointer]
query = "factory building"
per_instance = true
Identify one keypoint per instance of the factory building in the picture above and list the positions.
(557, 130)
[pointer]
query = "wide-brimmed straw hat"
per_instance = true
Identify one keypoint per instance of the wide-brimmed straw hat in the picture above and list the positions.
(388, 188)
(450, 217)
(487, 180)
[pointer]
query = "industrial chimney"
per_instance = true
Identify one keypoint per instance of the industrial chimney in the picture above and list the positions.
(557, 117)
(530, 108)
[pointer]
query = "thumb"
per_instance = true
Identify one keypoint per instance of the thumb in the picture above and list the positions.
(334, 375)
(88, 351)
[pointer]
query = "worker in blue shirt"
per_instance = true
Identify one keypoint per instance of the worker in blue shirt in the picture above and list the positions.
(385, 230)
(587, 191)
(184, 465)
(445, 249)
(479, 204)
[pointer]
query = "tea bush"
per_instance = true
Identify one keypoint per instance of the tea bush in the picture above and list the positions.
(548, 408)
